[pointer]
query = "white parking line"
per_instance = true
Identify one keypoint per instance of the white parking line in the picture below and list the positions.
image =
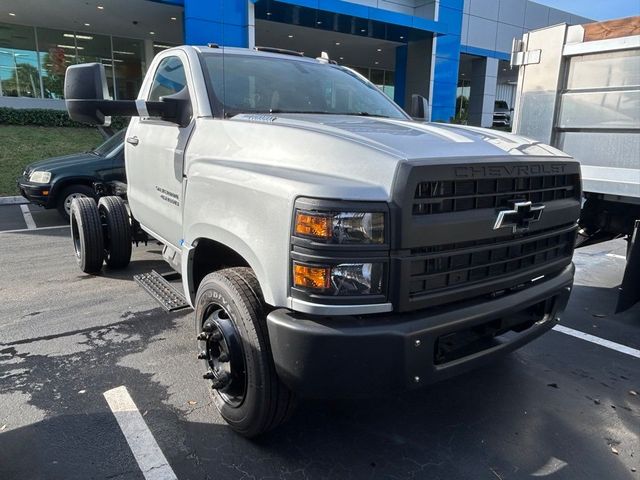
(597, 340)
(615, 255)
(28, 219)
(150, 458)
(33, 229)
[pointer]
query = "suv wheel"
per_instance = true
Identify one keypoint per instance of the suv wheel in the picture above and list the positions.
(69, 194)
(234, 346)
(86, 233)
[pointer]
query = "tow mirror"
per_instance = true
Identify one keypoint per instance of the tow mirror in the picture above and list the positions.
(83, 83)
(88, 101)
(419, 107)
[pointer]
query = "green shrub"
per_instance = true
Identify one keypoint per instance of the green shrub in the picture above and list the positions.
(48, 118)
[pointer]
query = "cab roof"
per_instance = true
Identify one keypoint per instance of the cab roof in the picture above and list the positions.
(260, 53)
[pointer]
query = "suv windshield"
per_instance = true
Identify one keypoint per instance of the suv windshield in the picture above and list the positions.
(501, 104)
(112, 144)
(256, 84)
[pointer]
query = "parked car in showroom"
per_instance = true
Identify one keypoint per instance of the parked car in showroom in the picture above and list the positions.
(502, 114)
(55, 182)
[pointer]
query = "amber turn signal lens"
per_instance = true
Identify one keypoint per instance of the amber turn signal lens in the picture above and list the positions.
(310, 225)
(306, 276)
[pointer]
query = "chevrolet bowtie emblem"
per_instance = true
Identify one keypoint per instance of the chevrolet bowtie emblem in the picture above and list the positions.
(520, 217)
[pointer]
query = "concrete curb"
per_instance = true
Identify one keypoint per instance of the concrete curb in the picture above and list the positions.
(17, 200)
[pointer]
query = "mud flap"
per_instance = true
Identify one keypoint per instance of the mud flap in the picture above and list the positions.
(630, 288)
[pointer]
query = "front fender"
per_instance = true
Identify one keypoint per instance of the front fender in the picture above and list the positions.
(201, 231)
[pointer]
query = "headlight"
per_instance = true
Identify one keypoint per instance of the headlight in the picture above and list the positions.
(340, 227)
(339, 280)
(40, 177)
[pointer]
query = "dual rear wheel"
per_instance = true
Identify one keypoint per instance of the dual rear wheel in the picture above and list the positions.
(101, 233)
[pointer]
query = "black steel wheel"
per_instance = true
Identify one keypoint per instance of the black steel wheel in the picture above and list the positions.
(114, 217)
(224, 356)
(86, 233)
(233, 344)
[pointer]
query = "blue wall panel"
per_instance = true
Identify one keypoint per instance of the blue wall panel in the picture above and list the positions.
(400, 75)
(224, 22)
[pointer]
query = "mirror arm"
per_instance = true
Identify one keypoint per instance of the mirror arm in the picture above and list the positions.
(124, 108)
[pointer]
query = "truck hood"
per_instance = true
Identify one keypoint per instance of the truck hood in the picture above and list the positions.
(412, 140)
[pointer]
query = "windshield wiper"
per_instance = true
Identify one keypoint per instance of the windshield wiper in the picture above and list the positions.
(365, 114)
(309, 112)
(275, 111)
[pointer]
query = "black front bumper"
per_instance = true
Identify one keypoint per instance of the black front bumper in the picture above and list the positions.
(34, 192)
(368, 355)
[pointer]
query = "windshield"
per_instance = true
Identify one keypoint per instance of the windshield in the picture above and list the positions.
(501, 104)
(112, 144)
(255, 84)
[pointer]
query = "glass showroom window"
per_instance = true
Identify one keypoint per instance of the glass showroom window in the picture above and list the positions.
(33, 61)
(127, 64)
(19, 76)
(161, 46)
(95, 48)
(57, 50)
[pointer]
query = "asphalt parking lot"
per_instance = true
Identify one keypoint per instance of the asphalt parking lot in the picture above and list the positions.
(560, 408)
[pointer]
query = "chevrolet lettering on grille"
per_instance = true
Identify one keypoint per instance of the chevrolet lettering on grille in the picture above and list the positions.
(520, 217)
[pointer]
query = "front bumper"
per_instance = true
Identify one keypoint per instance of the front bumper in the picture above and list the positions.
(34, 192)
(501, 122)
(368, 355)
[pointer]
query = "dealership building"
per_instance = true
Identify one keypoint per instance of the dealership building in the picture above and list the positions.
(454, 52)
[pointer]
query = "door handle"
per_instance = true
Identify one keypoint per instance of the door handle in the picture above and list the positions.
(133, 140)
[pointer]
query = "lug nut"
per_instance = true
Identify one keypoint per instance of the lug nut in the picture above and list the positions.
(202, 336)
(208, 326)
(221, 381)
(202, 355)
(209, 375)
(217, 384)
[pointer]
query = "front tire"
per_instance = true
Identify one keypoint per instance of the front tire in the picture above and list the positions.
(86, 233)
(234, 345)
(117, 233)
(69, 194)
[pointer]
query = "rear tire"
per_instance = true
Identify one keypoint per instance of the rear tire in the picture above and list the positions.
(86, 233)
(258, 401)
(117, 233)
(69, 194)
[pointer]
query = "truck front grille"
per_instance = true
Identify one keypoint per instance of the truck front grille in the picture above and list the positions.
(434, 272)
(449, 248)
(444, 196)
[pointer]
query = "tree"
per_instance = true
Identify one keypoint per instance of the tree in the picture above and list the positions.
(24, 82)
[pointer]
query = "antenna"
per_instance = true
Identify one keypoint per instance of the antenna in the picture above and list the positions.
(324, 58)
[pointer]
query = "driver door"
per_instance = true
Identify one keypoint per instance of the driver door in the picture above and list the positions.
(155, 156)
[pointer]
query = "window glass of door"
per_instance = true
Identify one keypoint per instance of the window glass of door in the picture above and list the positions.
(169, 79)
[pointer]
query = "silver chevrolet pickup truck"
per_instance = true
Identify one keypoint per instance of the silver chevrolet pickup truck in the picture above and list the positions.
(330, 244)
